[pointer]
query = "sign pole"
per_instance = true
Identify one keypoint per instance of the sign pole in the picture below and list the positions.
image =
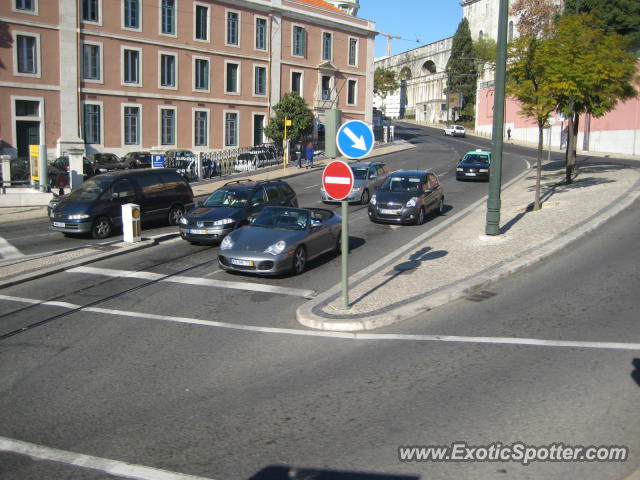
(344, 242)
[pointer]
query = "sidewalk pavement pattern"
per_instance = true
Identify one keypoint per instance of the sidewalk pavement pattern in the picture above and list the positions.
(447, 262)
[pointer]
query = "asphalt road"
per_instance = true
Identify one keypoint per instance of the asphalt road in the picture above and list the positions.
(133, 377)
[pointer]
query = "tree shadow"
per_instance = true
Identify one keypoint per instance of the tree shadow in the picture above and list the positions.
(293, 473)
(407, 267)
(6, 40)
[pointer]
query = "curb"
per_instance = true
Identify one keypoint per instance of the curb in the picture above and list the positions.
(78, 261)
(307, 317)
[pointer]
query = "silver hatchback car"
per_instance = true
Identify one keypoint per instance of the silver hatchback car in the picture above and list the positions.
(367, 177)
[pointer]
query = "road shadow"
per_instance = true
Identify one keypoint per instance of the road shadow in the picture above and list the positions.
(407, 267)
(635, 373)
(293, 473)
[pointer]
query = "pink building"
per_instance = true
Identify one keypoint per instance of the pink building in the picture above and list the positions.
(128, 75)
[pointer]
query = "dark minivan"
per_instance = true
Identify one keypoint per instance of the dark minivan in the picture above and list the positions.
(95, 207)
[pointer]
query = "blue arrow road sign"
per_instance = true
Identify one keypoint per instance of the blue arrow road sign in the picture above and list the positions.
(355, 139)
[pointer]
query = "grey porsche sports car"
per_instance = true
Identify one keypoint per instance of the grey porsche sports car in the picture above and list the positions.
(280, 240)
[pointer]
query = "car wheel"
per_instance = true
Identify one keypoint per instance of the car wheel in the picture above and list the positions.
(101, 228)
(365, 197)
(175, 214)
(299, 260)
(420, 217)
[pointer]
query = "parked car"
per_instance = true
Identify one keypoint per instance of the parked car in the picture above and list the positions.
(232, 206)
(105, 162)
(95, 207)
(455, 131)
(137, 160)
(367, 177)
(280, 240)
(474, 165)
(58, 171)
(407, 196)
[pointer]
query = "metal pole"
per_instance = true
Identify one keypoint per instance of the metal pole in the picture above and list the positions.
(344, 241)
(495, 179)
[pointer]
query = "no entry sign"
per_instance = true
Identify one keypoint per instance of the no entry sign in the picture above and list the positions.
(337, 180)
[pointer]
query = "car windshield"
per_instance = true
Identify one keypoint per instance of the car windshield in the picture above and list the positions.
(228, 197)
(475, 159)
(403, 183)
(360, 173)
(287, 218)
(90, 189)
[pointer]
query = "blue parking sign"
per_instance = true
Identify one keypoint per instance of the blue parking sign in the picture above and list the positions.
(157, 161)
(355, 139)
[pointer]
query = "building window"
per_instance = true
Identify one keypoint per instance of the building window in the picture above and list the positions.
(131, 66)
(296, 82)
(299, 41)
(167, 70)
(232, 78)
(353, 51)
(27, 108)
(91, 11)
(233, 37)
(132, 14)
(510, 34)
(326, 46)
(91, 122)
(26, 5)
(480, 34)
(231, 129)
(351, 92)
(132, 125)
(201, 74)
(27, 58)
(168, 17)
(91, 62)
(260, 87)
(261, 33)
(167, 126)
(202, 22)
(200, 128)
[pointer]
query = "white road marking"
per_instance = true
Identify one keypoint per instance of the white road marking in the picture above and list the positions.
(8, 251)
(535, 342)
(338, 180)
(312, 186)
(112, 467)
(204, 282)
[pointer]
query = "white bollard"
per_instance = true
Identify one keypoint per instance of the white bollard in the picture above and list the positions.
(131, 223)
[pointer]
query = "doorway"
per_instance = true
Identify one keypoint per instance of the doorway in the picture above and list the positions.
(258, 129)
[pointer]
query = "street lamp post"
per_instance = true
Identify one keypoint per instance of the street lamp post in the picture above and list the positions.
(492, 226)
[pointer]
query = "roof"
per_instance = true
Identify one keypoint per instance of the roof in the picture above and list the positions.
(321, 4)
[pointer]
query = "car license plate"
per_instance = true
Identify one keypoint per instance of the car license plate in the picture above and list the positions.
(470, 174)
(59, 224)
(196, 231)
(389, 212)
(241, 263)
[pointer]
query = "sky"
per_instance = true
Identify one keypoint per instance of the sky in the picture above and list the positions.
(425, 20)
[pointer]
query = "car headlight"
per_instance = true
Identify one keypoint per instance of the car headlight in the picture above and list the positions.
(373, 200)
(412, 202)
(224, 221)
(483, 170)
(184, 221)
(458, 169)
(226, 243)
(277, 248)
(79, 217)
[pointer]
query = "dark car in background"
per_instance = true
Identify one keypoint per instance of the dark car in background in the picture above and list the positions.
(281, 240)
(105, 162)
(407, 196)
(183, 161)
(58, 171)
(474, 165)
(95, 207)
(137, 160)
(367, 177)
(232, 206)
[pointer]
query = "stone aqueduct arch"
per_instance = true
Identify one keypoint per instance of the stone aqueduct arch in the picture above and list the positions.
(421, 72)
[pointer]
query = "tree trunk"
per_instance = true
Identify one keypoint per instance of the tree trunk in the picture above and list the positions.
(536, 202)
(572, 142)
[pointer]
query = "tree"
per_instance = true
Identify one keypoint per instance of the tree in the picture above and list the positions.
(588, 71)
(485, 50)
(461, 69)
(535, 17)
(619, 16)
(293, 107)
(384, 82)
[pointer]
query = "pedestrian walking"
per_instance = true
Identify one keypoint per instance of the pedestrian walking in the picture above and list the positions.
(309, 155)
(299, 154)
(509, 133)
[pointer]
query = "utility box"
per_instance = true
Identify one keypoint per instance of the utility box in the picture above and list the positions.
(131, 227)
